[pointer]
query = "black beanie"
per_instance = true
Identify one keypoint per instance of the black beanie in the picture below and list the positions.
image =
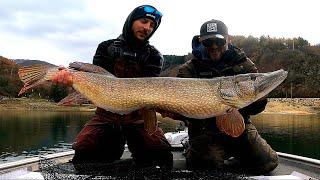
(139, 12)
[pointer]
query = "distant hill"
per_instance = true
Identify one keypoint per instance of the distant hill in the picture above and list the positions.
(27, 62)
(10, 83)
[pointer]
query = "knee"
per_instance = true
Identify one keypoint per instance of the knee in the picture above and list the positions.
(208, 157)
(267, 166)
(271, 164)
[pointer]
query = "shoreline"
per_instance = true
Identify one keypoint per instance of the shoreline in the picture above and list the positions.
(27, 104)
(299, 106)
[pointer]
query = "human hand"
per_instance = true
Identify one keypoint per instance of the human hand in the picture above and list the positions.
(63, 76)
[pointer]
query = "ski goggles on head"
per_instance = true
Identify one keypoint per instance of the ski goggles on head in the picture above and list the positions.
(217, 41)
(153, 11)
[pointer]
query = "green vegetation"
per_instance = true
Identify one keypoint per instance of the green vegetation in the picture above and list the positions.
(296, 56)
(9, 80)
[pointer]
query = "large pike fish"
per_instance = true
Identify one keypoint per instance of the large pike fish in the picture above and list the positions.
(190, 97)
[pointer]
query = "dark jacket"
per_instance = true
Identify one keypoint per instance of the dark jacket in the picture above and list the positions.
(127, 57)
(233, 62)
(118, 58)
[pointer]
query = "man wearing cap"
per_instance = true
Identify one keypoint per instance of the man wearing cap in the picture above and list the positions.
(212, 56)
(129, 56)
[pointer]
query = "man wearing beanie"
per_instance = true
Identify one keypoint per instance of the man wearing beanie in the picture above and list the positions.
(129, 56)
(210, 143)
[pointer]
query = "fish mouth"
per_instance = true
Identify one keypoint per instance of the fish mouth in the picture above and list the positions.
(269, 81)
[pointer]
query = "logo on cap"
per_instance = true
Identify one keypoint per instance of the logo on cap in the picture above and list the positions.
(212, 27)
(150, 15)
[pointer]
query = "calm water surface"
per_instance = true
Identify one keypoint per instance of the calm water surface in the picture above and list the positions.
(32, 133)
(294, 134)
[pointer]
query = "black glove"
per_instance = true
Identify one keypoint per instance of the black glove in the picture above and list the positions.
(254, 108)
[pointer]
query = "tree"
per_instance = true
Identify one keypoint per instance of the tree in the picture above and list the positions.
(301, 43)
(57, 92)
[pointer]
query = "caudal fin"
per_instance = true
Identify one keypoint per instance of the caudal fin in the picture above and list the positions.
(32, 76)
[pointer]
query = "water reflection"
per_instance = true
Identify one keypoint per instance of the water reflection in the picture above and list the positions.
(28, 133)
(31, 133)
(294, 134)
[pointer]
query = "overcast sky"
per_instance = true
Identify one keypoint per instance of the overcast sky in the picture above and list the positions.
(62, 31)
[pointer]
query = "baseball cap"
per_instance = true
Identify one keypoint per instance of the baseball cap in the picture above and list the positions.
(213, 29)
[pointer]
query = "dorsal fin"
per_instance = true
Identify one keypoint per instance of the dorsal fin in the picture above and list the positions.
(87, 67)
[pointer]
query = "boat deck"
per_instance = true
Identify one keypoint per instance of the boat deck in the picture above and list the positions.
(60, 168)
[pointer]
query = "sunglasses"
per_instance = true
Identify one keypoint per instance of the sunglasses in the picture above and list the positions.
(153, 11)
(217, 41)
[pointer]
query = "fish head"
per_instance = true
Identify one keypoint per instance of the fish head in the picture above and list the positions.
(244, 89)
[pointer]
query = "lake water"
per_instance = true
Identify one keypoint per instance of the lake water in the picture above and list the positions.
(32, 133)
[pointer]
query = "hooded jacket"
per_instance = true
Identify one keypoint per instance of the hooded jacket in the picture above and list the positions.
(233, 62)
(128, 57)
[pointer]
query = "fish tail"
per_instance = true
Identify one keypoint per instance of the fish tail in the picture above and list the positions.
(32, 76)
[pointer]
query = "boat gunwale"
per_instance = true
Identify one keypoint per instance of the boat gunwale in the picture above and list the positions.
(299, 158)
(29, 161)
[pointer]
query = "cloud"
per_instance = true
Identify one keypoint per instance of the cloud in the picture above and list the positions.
(62, 25)
(61, 31)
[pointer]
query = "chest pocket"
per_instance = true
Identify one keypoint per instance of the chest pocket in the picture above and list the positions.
(127, 63)
(127, 69)
(205, 70)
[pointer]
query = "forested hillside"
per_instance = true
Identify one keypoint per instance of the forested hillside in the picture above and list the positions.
(27, 62)
(9, 81)
(296, 56)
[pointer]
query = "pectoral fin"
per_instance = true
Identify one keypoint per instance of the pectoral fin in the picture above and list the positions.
(150, 120)
(231, 123)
